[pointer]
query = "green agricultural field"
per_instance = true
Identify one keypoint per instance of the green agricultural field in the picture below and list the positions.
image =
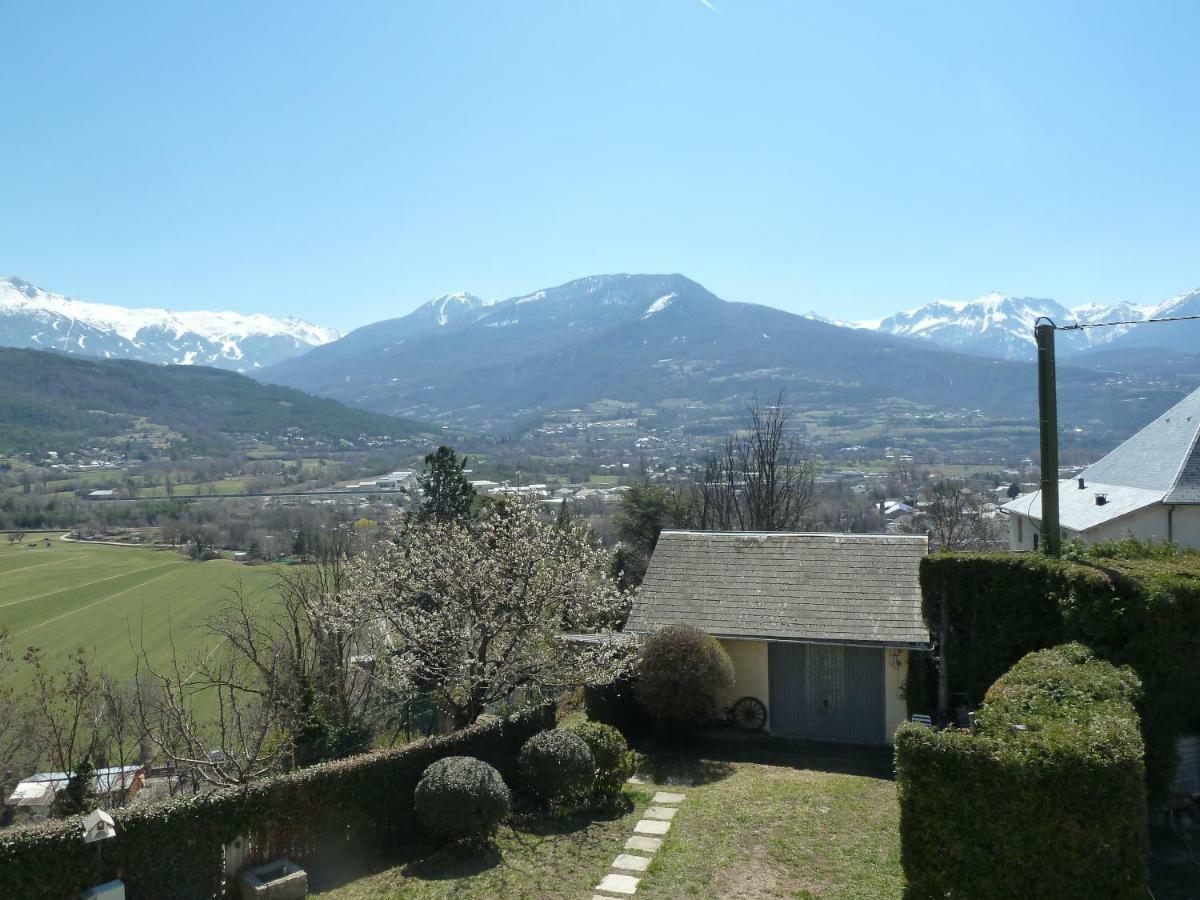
(65, 596)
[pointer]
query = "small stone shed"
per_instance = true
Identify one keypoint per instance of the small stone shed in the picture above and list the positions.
(819, 626)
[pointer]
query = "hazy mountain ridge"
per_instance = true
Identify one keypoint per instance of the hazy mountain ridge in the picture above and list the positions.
(37, 319)
(51, 400)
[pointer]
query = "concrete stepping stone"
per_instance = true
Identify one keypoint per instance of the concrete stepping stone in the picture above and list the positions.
(662, 813)
(643, 843)
(631, 863)
(668, 798)
(619, 884)
(652, 827)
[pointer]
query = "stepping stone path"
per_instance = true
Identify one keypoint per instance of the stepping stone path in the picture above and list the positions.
(640, 849)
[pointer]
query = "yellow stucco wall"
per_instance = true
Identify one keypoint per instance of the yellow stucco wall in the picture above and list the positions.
(895, 707)
(750, 669)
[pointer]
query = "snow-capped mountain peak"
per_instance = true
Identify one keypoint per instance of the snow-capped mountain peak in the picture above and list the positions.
(1001, 325)
(33, 317)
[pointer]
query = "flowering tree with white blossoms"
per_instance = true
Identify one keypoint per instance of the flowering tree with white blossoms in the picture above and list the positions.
(470, 612)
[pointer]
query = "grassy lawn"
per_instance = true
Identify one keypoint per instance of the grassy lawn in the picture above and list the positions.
(62, 596)
(554, 858)
(775, 820)
(760, 820)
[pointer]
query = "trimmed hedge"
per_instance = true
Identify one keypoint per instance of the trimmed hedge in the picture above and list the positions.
(1054, 809)
(353, 808)
(1144, 613)
(615, 703)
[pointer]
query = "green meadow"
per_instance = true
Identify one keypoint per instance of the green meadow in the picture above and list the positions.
(60, 596)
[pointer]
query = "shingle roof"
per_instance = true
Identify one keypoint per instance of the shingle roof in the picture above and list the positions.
(1163, 456)
(836, 588)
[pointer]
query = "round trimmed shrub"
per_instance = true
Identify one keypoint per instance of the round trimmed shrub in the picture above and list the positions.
(461, 798)
(556, 767)
(614, 760)
(681, 672)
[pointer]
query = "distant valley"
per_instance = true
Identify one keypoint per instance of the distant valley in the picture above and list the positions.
(658, 364)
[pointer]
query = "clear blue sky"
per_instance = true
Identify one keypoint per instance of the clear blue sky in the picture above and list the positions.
(347, 161)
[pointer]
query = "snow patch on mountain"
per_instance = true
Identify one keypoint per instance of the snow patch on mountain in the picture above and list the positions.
(227, 339)
(660, 304)
(1001, 325)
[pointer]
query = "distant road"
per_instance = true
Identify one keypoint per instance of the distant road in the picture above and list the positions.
(238, 496)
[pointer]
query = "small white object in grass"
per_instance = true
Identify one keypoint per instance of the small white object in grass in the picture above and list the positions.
(631, 863)
(651, 827)
(668, 798)
(664, 813)
(618, 884)
(643, 843)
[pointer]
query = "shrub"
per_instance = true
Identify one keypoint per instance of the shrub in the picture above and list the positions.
(681, 671)
(556, 767)
(614, 760)
(360, 806)
(1052, 808)
(461, 797)
(1137, 606)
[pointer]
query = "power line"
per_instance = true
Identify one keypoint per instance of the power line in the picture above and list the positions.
(1081, 326)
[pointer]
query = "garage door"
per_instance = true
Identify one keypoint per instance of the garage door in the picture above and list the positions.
(827, 693)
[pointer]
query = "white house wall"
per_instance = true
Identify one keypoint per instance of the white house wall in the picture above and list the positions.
(1148, 524)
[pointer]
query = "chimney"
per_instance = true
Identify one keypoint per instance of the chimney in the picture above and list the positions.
(1081, 484)
(1101, 499)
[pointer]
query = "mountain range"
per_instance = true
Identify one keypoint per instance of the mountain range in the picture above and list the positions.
(1002, 326)
(37, 319)
(656, 345)
(651, 342)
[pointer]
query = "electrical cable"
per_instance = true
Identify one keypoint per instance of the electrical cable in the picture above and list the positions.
(1080, 326)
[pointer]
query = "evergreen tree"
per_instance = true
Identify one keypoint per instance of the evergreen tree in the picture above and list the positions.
(645, 512)
(77, 797)
(564, 514)
(448, 494)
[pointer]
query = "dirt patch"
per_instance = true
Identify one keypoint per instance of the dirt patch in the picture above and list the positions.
(754, 878)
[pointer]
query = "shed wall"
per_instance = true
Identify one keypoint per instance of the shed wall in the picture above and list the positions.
(750, 669)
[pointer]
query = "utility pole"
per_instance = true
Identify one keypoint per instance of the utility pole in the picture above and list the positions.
(1043, 331)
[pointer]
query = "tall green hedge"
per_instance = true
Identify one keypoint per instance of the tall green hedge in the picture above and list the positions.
(358, 808)
(1053, 809)
(1144, 613)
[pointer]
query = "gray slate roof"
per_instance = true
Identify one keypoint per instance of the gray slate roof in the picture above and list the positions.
(1163, 456)
(1078, 509)
(834, 588)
